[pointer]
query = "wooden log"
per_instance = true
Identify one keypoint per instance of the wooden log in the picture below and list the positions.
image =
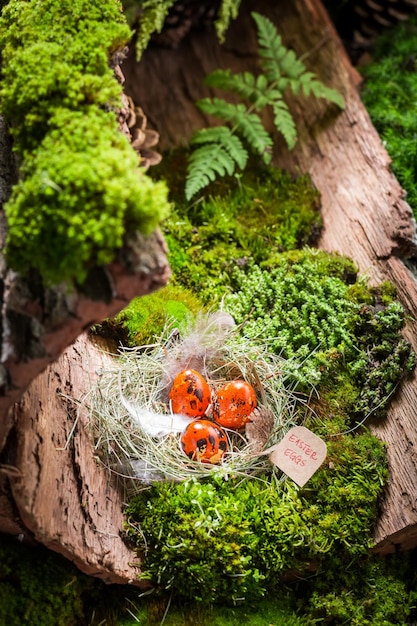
(364, 210)
(53, 492)
(64, 497)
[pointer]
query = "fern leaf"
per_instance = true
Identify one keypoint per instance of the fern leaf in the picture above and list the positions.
(250, 126)
(204, 166)
(277, 61)
(219, 154)
(255, 90)
(268, 37)
(246, 124)
(242, 84)
(282, 67)
(310, 84)
(291, 66)
(224, 136)
(217, 107)
(284, 123)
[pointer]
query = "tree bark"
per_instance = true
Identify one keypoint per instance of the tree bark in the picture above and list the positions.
(65, 499)
(60, 497)
(364, 210)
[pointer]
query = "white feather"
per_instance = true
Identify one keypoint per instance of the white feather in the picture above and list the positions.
(155, 424)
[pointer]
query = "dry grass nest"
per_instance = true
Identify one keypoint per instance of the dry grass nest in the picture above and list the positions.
(129, 402)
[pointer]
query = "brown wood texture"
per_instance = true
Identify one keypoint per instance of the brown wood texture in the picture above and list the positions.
(365, 213)
(64, 497)
(39, 322)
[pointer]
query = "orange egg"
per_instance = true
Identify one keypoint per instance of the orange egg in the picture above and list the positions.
(204, 441)
(234, 402)
(190, 394)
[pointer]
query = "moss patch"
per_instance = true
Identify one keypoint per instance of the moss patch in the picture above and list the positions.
(336, 331)
(56, 54)
(273, 611)
(145, 318)
(40, 588)
(389, 93)
(58, 92)
(225, 541)
(69, 213)
(263, 212)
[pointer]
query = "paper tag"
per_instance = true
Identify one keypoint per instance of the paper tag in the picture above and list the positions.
(299, 454)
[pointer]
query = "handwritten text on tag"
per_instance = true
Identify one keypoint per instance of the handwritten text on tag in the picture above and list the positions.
(299, 454)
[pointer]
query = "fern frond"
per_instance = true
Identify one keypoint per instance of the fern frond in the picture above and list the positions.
(284, 123)
(254, 89)
(310, 84)
(282, 67)
(220, 153)
(227, 12)
(247, 124)
(278, 62)
(250, 126)
(217, 107)
(224, 136)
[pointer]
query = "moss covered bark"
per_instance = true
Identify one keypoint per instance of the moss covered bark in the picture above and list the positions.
(80, 188)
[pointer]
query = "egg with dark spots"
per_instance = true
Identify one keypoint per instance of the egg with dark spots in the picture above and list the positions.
(204, 441)
(234, 402)
(190, 394)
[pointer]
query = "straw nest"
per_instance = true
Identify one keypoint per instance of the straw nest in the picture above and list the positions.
(137, 437)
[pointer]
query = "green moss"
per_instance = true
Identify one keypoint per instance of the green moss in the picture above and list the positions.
(376, 594)
(264, 213)
(389, 93)
(55, 54)
(40, 588)
(228, 540)
(334, 330)
(145, 318)
(298, 305)
(80, 187)
(276, 611)
(70, 212)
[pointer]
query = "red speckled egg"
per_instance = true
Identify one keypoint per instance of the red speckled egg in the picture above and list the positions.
(204, 441)
(190, 394)
(234, 402)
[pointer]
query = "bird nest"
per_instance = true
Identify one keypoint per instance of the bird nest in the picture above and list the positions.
(135, 432)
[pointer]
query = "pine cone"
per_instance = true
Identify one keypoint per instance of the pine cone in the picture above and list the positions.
(143, 139)
(132, 123)
(359, 22)
(374, 16)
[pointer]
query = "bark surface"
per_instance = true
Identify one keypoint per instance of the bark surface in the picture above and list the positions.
(65, 499)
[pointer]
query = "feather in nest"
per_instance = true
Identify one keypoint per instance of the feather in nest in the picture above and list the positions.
(199, 345)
